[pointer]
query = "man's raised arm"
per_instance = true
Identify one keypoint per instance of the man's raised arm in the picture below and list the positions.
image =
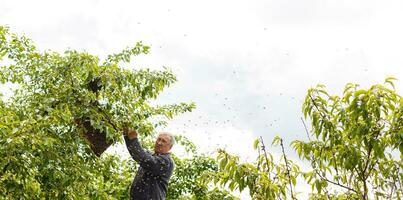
(156, 164)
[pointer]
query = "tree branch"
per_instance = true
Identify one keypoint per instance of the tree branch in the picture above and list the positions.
(306, 129)
(287, 167)
(338, 184)
(265, 155)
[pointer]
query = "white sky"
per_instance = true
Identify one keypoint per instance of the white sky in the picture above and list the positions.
(246, 64)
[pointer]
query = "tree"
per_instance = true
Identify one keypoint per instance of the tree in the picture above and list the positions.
(353, 149)
(67, 108)
(355, 142)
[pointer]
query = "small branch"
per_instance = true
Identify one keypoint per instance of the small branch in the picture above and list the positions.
(326, 179)
(399, 181)
(306, 129)
(338, 184)
(265, 155)
(288, 169)
(391, 192)
(327, 193)
(258, 163)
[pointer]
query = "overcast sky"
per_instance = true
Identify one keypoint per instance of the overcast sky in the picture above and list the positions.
(246, 64)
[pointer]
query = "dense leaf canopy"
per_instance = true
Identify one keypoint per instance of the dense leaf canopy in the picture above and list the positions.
(50, 127)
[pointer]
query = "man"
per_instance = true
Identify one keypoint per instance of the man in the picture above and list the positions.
(151, 181)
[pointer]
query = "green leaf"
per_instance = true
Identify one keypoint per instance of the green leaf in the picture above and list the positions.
(276, 140)
(256, 144)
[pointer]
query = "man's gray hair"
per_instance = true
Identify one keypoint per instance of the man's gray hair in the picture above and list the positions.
(171, 137)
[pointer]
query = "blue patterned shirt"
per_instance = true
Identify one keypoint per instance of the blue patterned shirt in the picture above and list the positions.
(151, 181)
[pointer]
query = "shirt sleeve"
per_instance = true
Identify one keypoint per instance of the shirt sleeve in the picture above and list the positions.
(158, 165)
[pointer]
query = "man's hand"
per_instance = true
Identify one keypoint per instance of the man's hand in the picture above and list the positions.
(132, 134)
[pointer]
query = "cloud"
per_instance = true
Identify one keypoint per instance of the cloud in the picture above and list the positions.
(314, 12)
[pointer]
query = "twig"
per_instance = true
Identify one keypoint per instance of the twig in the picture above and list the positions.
(265, 155)
(258, 163)
(288, 169)
(306, 129)
(343, 186)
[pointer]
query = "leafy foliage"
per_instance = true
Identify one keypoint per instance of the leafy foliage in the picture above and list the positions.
(356, 141)
(264, 178)
(42, 145)
(353, 149)
(187, 181)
